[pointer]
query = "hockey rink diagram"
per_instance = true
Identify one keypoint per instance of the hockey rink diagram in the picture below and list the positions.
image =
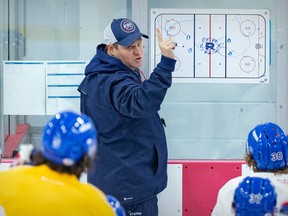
(215, 46)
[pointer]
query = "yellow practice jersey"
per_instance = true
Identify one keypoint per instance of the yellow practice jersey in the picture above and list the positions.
(38, 190)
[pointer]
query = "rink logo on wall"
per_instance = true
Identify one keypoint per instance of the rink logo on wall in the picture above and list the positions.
(215, 46)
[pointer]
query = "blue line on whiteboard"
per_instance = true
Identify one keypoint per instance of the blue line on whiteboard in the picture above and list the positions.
(65, 74)
(50, 97)
(66, 62)
(62, 85)
(23, 62)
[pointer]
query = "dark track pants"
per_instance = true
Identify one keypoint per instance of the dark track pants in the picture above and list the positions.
(146, 208)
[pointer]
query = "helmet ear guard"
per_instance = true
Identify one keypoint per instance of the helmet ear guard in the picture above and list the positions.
(268, 145)
(254, 196)
(67, 137)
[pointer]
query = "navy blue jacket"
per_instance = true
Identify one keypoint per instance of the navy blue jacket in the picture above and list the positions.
(131, 160)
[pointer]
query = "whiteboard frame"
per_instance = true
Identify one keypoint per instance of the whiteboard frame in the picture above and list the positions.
(154, 50)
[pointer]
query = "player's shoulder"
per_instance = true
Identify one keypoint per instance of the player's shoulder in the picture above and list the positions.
(17, 169)
(233, 181)
(91, 189)
(279, 183)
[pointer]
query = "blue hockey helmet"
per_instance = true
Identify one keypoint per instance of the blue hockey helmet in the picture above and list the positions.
(67, 137)
(268, 145)
(115, 204)
(255, 196)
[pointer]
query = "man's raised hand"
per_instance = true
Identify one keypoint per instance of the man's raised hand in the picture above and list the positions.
(166, 45)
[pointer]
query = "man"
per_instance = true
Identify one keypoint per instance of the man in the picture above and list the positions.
(52, 186)
(254, 196)
(267, 155)
(132, 151)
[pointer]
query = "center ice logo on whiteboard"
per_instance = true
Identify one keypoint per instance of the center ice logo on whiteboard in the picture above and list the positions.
(216, 46)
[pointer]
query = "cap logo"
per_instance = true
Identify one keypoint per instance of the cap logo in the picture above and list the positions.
(127, 26)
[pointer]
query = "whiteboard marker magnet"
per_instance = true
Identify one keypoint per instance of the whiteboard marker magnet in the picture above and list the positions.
(178, 44)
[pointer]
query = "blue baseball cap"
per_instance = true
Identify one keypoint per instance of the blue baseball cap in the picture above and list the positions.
(123, 32)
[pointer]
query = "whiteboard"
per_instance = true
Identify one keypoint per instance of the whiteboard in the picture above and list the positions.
(23, 83)
(215, 45)
(42, 87)
(62, 81)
